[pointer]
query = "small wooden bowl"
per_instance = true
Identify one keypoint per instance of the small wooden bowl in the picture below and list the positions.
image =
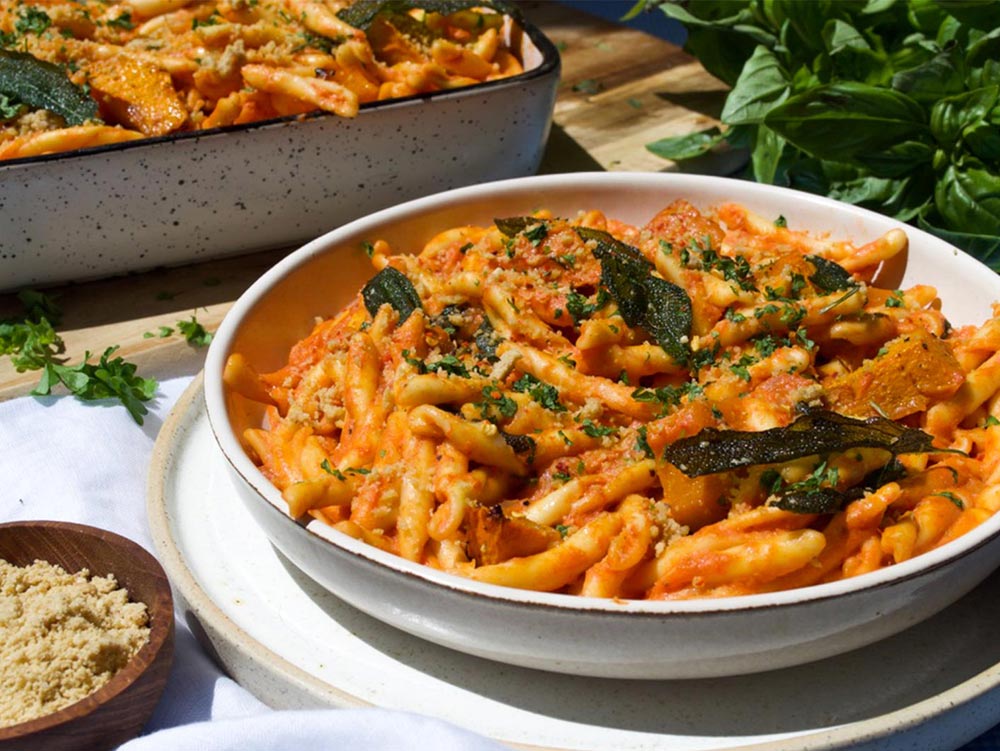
(117, 711)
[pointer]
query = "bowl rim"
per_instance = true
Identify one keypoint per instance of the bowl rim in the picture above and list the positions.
(366, 226)
(550, 64)
(160, 633)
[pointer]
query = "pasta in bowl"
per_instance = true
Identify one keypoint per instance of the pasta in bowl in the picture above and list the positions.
(652, 421)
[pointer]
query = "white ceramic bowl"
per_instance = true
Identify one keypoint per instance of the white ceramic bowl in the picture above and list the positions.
(696, 638)
(194, 196)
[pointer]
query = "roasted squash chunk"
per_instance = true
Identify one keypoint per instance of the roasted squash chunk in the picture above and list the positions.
(137, 95)
(494, 537)
(912, 372)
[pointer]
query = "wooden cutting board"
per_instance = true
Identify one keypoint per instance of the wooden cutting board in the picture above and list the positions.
(620, 89)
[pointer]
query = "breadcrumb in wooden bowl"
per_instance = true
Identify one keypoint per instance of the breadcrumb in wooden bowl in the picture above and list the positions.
(87, 626)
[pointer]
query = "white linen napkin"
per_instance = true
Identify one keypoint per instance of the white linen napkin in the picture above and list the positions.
(67, 460)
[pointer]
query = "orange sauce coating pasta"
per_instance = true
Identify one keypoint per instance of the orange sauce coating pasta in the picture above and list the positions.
(156, 67)
(497, 407)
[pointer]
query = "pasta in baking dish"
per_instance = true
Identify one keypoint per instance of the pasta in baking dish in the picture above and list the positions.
(94, 72)
(708, 405)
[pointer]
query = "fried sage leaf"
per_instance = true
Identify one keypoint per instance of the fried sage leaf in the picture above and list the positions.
(391, 286)
(830, 276)
(819, 501)
(818, 432)
(42, 85)
(362, 13)
(512, 226)
(659, 306)
(522, 444)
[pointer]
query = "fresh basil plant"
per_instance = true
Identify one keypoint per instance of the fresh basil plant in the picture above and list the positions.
(893, 105)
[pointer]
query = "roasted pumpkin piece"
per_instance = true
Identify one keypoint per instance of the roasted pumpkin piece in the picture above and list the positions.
(494, 537)
(911, 373)
(138, 95)
(694, 502)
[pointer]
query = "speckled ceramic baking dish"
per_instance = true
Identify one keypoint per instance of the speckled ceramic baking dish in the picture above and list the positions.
(195, 196)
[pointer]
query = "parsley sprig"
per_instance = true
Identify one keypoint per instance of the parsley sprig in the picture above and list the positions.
(32, 343)
(109, 378)
(194, 333)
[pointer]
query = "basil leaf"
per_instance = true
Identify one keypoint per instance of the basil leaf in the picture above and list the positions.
(901, 198)
(802, 23)
(42, 85)
(969, 199)
(898, 160)
(768, 149)
(939, 77)
(688, 146)
(390, 286)
(762, 84)
(838, 121)
(818, 432)
(982, 61)
(979, 14)
(983, 138)
(952, 115)
(721, 34)
(851, 57)
(985, 248)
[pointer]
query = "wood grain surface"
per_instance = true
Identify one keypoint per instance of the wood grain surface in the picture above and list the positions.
(620, 89)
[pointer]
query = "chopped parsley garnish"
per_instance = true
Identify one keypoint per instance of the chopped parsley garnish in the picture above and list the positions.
(545, 394)
(952, 497)
(9, 108)
(895, 300)
(536, 233)
(700, 254)
(594, 430)
(448, 364)
(580, 307)
(325, 466)
(162, 333)
(667, 396)
(32, 20)
(642, 444)
(733, 316)
(494, 403)
(194, 333)
(780, 221)
(588, 86)
(124, 21)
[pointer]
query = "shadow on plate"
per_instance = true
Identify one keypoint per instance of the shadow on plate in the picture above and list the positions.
(916, 665)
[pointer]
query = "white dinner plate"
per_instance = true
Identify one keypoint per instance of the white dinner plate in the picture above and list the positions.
(294, 645)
